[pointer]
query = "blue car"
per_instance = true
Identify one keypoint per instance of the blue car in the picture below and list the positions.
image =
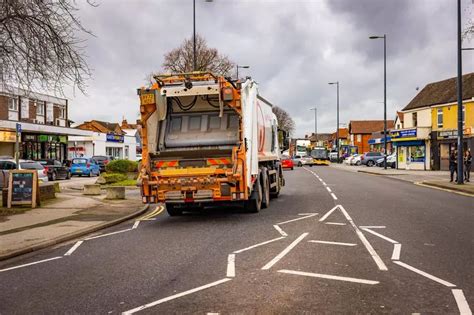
(85, 166)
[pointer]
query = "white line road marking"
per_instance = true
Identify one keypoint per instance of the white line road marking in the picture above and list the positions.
(372, 226)
(328, 189)
(32, 263)
(135, 225)
(335, 223)
(427, 275)
(328, 214)
(172, 297)
(461, 302)
(72, 249)
(284, 252)
(112, 233)
(364, 241)
(309, 213)
(324, 184)
(302, 218)
(283, 233)
(212, 313)
(231, 266)
(333, 196)
(259, 244)
(380, 235)
(331, 277)
(396, 251)
(333, 243)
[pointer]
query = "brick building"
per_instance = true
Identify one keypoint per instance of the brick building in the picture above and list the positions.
(44, 123)
(360, 131)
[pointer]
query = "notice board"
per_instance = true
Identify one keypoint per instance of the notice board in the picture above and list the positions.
(22, 188)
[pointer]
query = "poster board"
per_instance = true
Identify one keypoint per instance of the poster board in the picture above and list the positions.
(22, 188)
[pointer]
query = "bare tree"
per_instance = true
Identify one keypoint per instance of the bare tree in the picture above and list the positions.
(207, 59)
(285, 121)
(40, 47)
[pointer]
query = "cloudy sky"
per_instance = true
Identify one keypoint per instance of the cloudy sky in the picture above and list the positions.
(294, 48)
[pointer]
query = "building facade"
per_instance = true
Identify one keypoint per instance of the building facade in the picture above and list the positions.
(43, 121)
(360, 132)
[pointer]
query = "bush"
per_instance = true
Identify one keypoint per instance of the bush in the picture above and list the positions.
(122, 166)
(111, 178)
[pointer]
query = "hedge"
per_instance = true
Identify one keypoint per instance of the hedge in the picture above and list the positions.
(111, 178)
(122, 166)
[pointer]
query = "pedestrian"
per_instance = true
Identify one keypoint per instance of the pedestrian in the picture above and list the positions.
(453, 165)
(467, 165)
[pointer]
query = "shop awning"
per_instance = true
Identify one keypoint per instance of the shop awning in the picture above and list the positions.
(44, 129)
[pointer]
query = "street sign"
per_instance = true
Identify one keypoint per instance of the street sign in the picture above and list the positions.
(18, 127)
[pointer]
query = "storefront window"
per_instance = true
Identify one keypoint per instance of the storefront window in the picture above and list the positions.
(115, 152)
(416, 154)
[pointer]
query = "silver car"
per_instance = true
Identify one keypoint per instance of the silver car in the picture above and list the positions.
(10, 164)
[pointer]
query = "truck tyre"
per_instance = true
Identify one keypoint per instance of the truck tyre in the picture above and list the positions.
(265, 188)
(172, 210)
(275, 191)
(254, 204)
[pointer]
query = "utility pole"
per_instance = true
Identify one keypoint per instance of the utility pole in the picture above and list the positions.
(459, 90)
(194, 36)
(315, 123)
(17, 145)
(337, 123)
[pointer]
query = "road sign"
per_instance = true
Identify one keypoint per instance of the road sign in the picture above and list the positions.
(18, 128)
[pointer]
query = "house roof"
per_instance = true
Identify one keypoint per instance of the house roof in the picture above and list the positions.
(368, 126)
(343, 133)
(442, 92)
(101, 126)
(400, 116)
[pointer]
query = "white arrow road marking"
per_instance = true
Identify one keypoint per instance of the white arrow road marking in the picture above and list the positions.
(231, 266)
(70, 251)
(332, 243)
(328, 214)
(425, 274)
(135, 225)
(108, 234)
(283, 233)
(32, 263)
(172, 297)
(331, 277)
(461, 302)
(372, 226)
(284, 252)
(259, 244)
(396, 251)
(334, 223)
(380, 235)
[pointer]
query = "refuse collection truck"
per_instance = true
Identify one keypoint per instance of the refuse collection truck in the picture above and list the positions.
(208, 140)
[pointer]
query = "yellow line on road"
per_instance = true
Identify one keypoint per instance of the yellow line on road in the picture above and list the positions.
(154, 213)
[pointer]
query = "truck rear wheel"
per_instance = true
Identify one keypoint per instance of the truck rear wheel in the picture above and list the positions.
(172, 210)
(265, 188)
(254, 204)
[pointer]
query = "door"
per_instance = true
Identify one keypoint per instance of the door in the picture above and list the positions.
(444, 150)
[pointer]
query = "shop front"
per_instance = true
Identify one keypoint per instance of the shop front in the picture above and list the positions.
(444, 142)
(43, 146)
(7, 143)
(377, 144)
(411, 148)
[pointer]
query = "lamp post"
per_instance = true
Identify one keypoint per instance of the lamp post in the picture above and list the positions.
(241, 67)
(384, 37)
(337, 123)
(194, 35)
(315, 123)
(459, 92)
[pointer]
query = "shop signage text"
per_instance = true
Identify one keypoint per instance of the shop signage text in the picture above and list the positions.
(7, 136)
(112, 137)
(407, 133)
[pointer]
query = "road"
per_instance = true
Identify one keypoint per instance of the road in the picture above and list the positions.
(333, 242)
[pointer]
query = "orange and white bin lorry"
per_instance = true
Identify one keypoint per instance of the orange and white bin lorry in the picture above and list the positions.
(208, 140)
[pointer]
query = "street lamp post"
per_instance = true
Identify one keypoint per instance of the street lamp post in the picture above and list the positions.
(384, 37)
(459, 90)
(315, 123)
(194, 35)
(241, 67)
(337, 123)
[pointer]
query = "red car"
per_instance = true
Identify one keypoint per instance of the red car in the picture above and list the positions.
(287, 162)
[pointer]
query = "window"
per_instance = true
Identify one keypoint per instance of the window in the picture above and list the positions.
(13, 104)
(440, 118)
(62, 112)
(415, 119)
(359, 138)
(39, 108)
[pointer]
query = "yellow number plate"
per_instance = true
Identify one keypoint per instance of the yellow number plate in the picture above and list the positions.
(148, 98)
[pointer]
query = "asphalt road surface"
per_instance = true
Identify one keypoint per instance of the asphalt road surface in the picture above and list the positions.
(333, 242)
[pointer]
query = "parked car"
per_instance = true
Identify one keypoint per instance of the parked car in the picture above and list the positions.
(297, 160)
(287, 162)
(307, 160)
(102, 160)
(391, 161)
(55, 169)
(85, 166)
(10, 164)
(333, 156)
(356, 159)
(370, 158)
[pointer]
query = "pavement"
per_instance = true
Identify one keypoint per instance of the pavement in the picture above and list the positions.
(334, 242)
(68, 216)
(434, 179)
